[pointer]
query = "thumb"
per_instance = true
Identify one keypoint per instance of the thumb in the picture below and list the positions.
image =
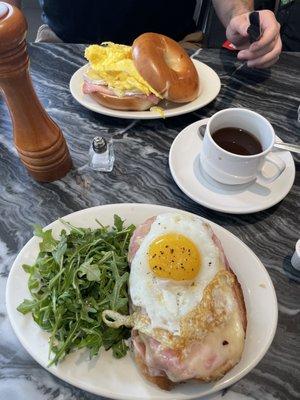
(239, 25)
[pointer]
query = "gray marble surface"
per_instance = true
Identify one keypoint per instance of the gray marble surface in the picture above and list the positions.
(141, 174)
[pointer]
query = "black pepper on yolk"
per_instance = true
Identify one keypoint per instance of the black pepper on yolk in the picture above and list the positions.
(174, 256)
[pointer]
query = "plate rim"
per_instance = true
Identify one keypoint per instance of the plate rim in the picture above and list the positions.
(125, 114)
(208, 205)
(179, 396)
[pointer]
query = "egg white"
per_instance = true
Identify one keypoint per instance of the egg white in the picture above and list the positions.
(166, 301)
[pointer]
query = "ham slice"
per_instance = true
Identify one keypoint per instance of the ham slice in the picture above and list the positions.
(138, 236)
(89, 88)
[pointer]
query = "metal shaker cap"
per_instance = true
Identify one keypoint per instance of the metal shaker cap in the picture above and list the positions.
(99, 144)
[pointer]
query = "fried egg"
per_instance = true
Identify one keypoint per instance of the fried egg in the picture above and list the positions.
(175, 262)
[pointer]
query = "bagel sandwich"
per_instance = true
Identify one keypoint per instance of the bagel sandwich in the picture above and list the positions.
(138, 77)
(188, 314)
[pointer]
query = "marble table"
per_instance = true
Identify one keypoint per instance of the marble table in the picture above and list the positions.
(141, 174)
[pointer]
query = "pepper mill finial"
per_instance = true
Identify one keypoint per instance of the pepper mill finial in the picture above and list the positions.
(39, 141)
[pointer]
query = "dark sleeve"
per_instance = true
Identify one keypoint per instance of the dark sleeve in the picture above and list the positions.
(289, 19)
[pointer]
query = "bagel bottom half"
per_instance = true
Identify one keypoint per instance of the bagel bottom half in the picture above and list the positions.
(130, 103)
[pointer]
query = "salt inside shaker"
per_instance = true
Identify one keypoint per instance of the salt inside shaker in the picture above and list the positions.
(101, 155)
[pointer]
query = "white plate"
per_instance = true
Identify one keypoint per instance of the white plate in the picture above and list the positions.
(210, 86)
(184, 162)
(120, 379)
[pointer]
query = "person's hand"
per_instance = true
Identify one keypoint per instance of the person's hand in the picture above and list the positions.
(266, 50)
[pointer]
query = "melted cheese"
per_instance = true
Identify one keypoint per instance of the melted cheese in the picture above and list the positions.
(206, 360)
(211, 340)
(219, 351)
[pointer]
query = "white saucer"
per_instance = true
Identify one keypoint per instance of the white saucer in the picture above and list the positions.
(210, 86)
(186, 170)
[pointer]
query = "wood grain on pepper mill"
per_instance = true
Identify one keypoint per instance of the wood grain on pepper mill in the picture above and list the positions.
(38, 140)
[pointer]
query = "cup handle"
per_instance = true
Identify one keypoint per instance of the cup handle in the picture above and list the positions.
(201, 129)
(279, 164)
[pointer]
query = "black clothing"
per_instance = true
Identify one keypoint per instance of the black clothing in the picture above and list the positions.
(119, 21)
(289, 18)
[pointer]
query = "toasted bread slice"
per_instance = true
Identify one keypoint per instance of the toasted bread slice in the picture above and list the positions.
(162, 380)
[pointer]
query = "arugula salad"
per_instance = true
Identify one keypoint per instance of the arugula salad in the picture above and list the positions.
(73, 280)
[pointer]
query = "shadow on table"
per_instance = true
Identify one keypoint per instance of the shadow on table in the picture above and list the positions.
(238, 78)
(250, 219)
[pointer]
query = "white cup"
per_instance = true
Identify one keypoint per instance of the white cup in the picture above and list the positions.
(234, 169)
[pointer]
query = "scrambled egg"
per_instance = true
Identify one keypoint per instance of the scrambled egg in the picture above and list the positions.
(113, 64)
(158, 110)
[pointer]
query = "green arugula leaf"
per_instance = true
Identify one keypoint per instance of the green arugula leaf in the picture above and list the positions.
(26, 306)
(48, 243)
(91, 271)
(27, 268)
(119, 349)
(59, 251)
(73, 280)
(118, 222)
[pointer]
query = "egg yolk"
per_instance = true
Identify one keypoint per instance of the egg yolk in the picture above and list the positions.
(174, 256)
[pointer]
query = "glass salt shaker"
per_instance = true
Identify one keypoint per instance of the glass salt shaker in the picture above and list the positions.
(101, 155)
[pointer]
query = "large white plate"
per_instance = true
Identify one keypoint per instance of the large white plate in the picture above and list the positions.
(209, 88)
(120, 379)
(184, 162)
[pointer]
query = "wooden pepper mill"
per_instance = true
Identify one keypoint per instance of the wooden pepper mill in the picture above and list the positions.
(39, 141)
